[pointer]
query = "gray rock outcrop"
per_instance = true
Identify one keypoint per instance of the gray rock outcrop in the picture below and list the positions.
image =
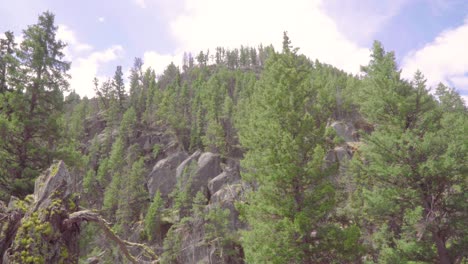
(35, 232)
(198, 170)
(345, 130)
(163, 175)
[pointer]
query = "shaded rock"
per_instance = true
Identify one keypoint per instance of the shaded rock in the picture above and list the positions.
(95, 125)
(209, 166)
(217, 182)
(203, 171)
(345, 130)
(226, 198)
(93, 260)
(3, 207)
(171, 147)
(339, 154)
(342, 154)
(56, 179)
(195, 248)
(103, 137)
(163, 175)
(40, 236)
(198, 170)
(147, 141)
(12, 204)
(228, 194)
(230, 175)
(184, 166)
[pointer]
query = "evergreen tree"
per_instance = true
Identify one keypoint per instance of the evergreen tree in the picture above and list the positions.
(119, 86)
(8, 61)
(136, 86)
(31, 126)
(412, 169)
(153, 218)
(132, 195)
(288, 210)
(286, 43)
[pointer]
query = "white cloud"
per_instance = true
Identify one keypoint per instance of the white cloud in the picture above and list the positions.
(74, 46)
(159, 62)
(211, 23)
(101, 19)
(85, 62)
(443, 60)
(141, 3)
(465, 98)
(361, 19)
(84, 69)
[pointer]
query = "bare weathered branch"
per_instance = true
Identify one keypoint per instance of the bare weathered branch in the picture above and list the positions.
(90, 216)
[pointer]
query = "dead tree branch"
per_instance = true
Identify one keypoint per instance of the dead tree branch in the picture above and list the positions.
(86, 215)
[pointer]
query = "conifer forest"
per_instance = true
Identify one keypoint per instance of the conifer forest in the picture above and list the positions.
(234, 155)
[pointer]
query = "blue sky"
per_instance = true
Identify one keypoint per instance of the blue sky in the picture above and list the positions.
(430, 35)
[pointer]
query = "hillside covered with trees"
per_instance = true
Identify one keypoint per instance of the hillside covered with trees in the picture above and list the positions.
(248, 155)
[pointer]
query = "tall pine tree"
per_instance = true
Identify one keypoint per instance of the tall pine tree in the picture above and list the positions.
(413, 168)
(31, 125)
(292, 196)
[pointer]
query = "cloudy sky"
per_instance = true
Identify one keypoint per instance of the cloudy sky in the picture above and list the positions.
(430, 35)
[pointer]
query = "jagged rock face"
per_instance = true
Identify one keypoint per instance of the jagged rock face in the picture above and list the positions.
(209, 166)
(345, 130)
(217, 182)
(198, 170)
(339, 155)
(41, 236)
(184, 166)
(226, 198)
(225, 189)
(197, 250)
(95, 125)
(163, 175)
(230, 175)
(194, 248)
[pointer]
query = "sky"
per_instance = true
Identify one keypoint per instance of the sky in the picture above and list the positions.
(429, 35)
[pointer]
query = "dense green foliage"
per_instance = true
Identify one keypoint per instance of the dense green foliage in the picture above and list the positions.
(294, 194)
(31, 100)
(413, 168)
(399, 195)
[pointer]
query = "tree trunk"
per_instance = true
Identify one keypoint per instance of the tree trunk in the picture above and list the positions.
(442, 252)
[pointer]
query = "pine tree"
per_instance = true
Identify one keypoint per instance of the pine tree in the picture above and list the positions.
(119, 86)
(412, 168)
(131, 195)
(8, 61)
(286, 43)
(136, 86)
(31, 125)
(293, 195)
(153, 218)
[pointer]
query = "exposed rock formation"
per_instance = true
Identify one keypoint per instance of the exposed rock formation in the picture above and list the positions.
(230, 175)
(163, 175)
(44, 228)
(36, 233)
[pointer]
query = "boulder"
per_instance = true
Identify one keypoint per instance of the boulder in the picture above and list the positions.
(226, 198)
(187, 163)
(345, 130)
(203, 171)
(209, 166)
(230, 175)
(163, 175)
(217, 182)
(41, 236)
(95, 125)
(339, 154)
(198, 170)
